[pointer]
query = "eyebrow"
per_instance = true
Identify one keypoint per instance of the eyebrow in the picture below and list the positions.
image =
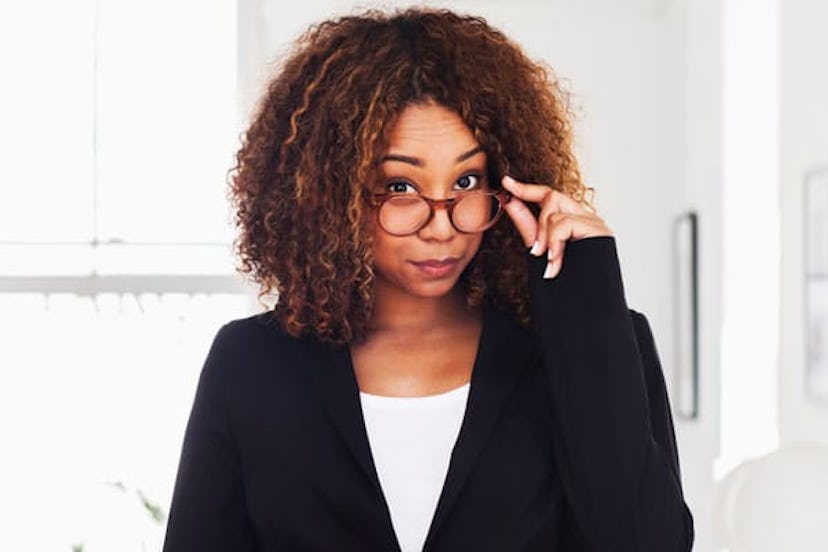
(417, 162)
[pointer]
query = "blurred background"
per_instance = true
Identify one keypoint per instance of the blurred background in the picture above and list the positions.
(119, 122)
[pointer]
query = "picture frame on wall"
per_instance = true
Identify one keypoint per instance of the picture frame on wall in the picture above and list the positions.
(685, 374)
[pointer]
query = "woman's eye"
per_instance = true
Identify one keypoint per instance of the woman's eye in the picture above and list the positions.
(399, 187)
(469, 181)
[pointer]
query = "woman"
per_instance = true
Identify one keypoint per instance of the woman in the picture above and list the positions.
(425, 382)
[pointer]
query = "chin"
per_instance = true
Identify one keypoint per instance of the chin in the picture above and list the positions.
(435, 292)
(433, 289)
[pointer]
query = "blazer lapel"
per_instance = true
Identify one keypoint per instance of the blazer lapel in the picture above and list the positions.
(500, 361)
(332, 376)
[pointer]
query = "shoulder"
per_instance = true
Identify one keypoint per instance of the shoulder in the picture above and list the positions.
(257, 340)
(253, 363)
(256, 326)
(256, 331)
(651, 363)
(643, 332)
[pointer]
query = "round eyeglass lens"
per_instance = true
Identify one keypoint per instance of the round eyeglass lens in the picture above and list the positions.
(403, 215)
(474, 211)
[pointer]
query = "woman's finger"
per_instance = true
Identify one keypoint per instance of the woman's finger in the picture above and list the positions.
(541, 193)
(560, 230)
(551, 213)
(534, 193)
(524, 220)
(548, 217)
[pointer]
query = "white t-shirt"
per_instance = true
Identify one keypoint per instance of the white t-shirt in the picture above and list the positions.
(411, 441)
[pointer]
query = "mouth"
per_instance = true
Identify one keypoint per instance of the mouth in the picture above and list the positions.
(437, 267)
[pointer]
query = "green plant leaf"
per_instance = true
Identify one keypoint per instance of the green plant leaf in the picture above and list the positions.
(153, 510)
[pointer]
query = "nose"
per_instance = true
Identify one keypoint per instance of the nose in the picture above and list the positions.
(439, 226)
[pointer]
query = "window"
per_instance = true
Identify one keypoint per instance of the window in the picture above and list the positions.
(116, 267)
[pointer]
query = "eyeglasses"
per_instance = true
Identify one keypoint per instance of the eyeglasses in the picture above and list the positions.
(405, 214)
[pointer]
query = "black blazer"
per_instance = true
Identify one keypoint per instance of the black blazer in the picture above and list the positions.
(567, 442)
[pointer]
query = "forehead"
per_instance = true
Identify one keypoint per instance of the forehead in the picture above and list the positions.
(430, 131)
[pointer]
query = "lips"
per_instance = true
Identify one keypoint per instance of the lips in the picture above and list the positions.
(437, 262)
(436, 268)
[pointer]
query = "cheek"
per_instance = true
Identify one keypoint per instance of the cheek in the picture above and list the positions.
(476, 241)
(473, 245)
(388, 251)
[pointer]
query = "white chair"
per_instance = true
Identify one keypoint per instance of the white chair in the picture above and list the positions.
(776, 503)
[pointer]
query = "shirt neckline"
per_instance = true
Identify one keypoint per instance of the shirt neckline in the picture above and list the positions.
(438, 397)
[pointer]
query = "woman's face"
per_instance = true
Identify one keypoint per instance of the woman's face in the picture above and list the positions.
(431, 152)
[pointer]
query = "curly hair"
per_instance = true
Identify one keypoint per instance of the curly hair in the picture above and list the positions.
(299, 187)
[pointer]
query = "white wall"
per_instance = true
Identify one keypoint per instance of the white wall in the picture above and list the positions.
(751, 231)
(692, 60)
(804, 132)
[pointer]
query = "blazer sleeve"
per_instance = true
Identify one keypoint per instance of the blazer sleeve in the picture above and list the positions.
(208, 506)
(612, 429)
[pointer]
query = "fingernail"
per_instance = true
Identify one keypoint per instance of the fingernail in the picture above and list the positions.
(553, 269)
(535, 248)
(549, 254)
(508, 180)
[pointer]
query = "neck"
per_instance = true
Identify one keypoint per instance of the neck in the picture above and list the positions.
(396, 311)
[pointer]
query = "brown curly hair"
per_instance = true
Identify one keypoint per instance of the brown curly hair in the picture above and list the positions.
(299, 187)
